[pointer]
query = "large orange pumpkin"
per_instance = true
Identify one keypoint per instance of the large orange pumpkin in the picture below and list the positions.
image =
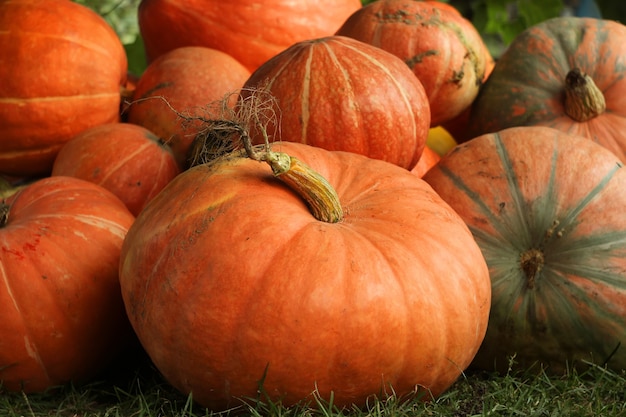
(547, 210)
(62, 67)
(62, 314)
(126, 159)
(342, 94)
(183, 82)
(566, 73)
(249, 30)
(231, 282)
(444, 49)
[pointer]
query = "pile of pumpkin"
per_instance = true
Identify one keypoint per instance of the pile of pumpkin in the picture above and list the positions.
(368, 258)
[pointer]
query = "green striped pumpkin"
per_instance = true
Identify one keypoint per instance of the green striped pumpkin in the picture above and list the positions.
(567, 73)
(548, 210)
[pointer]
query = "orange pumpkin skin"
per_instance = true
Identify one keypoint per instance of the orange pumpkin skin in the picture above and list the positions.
(547, 210)
(272, 294)
(528, 84)
(444, 50)
(342, 94)
(250, 31)
(428, 160)
(183, 81)
(62, 314)
(459, 126)
(126, 159)
(62, 68)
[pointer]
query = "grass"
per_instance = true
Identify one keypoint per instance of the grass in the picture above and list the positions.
(139, 391)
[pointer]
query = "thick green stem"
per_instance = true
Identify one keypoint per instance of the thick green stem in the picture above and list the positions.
(583, 99)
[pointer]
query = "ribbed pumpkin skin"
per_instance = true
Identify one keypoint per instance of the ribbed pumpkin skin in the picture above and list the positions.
(395, 294)
(62, 315)
(62, 67)
(538, 188)
(126, 159)
(249, 30)
(342, 94)
(444, 50)
(527, 83)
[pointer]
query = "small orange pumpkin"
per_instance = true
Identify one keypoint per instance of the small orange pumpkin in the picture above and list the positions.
(442, 48)
(342, 94)
(184, 81)
(126, 159)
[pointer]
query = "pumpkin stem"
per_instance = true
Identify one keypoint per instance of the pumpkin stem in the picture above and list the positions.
(532, 262)
(320, 196)
(583, 99)
(224, 135)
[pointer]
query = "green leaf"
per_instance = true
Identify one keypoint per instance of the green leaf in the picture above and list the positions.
(532, 12)
(136, 56)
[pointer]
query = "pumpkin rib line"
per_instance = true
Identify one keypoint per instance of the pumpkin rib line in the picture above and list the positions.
(29, 100)
(572, 311)
(387, 72)
(91, 46)
(475, 197)
(573, 213)
(112, 170)
(305, 98)
(374, 243)
(364, 145)
(519, 204)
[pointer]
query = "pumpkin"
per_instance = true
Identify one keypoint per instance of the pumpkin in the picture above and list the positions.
(547, 210)
(63, 318)
(62, 67)
(383, 290)
(444, 49)
(565, 73)
(179, 85)
(250, 31)
(126, 159)
(428, 159)
(458, 127)
(342, 94)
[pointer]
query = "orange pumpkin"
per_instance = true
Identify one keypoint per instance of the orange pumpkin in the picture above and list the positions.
(444, 50)
(126, 159)
(342, 94)
(63, 318)
(351, 305)
(429, 159)
(184, 81)
(250, 31)
(62, 69)
(458, 127)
